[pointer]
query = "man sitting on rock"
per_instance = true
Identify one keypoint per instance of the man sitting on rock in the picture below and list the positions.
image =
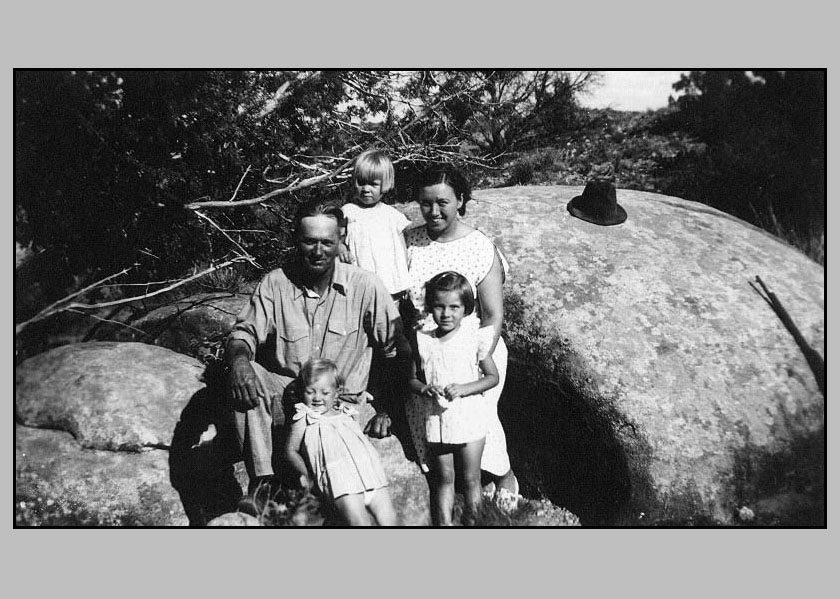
(318, 307)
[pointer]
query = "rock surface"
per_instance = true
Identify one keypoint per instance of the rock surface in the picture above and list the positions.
(108, 395)
(235, 519)
(655, 320)
(116, 406)
(192, 326)
(71, 485)
(408, 487)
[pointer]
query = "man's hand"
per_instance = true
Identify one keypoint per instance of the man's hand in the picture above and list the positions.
(245, 388)
(379, 426)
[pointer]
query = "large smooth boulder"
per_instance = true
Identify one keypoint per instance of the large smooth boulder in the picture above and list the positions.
(113, 408)
(117, 408)
(108, 395)
(672, 379)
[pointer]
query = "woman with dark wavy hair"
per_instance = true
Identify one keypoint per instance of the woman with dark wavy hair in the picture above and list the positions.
(446, 243)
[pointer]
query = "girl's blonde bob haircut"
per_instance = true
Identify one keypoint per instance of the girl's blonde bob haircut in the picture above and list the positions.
(374, 164)
(316, 367)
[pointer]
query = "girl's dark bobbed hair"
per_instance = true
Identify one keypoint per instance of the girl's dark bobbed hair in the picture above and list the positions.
(450, 281)
(448, 175)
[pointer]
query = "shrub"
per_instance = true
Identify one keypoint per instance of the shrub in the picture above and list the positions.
(521, 173)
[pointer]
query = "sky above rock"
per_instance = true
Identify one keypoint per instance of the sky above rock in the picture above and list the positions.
(633, 90)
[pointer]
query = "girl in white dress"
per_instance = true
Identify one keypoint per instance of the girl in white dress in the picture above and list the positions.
(330, 453)
(374, 239)
(453, 367)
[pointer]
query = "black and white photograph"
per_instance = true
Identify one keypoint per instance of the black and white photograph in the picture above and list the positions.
(489, 299)
(420, 298)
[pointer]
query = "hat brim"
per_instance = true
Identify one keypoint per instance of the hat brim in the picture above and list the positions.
(617, 218)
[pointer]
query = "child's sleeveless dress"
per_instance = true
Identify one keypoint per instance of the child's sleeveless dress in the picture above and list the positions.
(374, 237)
(446, 361)
(340, 458)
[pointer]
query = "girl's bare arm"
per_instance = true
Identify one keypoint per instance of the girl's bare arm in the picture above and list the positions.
(488, 381)
(418, 386)
(291, 449)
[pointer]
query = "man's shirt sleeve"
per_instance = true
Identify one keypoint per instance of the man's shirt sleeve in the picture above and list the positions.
(256, 320)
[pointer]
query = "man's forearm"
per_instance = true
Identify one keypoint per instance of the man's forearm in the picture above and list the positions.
(235, 350)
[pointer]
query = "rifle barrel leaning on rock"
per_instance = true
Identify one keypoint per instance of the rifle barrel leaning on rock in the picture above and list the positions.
(814, 359)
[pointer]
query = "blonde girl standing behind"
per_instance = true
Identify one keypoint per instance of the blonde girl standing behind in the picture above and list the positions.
(374, 238)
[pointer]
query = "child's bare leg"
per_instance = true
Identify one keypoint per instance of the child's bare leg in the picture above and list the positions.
(382, 508)
(442, 486)
(352, 509)
(468, 471)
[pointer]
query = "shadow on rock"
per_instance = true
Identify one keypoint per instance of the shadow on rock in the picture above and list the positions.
(202, 470)
(785, 488)
(565, 450)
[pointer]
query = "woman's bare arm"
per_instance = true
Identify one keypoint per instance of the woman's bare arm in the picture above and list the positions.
(491, 299)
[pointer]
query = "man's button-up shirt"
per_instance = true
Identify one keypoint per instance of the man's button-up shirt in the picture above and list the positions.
(286, 324)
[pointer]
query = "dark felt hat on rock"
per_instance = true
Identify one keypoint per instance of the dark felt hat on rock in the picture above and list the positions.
(598, 204)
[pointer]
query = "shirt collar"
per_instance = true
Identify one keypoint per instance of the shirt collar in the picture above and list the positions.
(340, 280)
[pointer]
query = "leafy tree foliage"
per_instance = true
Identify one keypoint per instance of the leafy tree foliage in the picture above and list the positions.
(105, 161)
(498, 110)
(765, 138)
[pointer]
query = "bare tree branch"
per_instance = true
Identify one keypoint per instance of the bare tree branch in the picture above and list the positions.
(236, 191)
(295, 187)
(61, 305)
(55, 307)
(400, 134)
(108, 320)
(245, 253)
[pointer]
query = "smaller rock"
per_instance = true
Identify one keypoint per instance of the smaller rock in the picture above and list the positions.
(506, 500)
(234, 519)
(746, 514)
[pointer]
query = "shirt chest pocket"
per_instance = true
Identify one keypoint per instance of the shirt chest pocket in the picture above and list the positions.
(341, 338)
(295, 345)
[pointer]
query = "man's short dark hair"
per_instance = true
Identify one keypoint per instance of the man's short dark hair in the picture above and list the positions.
(314, 208)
